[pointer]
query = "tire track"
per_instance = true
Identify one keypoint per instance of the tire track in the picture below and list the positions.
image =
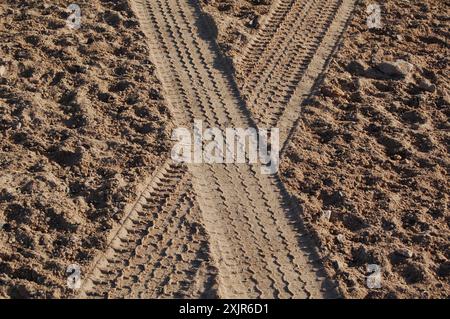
(253, 227)
(271, 86)
(170, 258)
(144, 221)
(282, 63)
(252, 241)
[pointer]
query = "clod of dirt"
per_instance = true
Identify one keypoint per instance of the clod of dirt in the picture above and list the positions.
(399, 68)
(357, 67)
(112, 18)
(414, 273)
(444, 269)
(426, 85)
(223, 6)
(404, 252)
(2, 71)
(361, 256)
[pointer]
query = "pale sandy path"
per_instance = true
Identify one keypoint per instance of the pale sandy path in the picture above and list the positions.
(253, 233)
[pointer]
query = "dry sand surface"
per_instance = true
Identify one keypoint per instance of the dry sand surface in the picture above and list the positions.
(369, 158)
(86, 117)
(82, 124)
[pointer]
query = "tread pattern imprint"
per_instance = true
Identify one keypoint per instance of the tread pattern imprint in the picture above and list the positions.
(227, 231)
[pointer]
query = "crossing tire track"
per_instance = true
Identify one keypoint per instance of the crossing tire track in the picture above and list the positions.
(252, 241)
(252, 231)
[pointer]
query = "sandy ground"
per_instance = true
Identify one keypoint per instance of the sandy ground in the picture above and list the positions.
(235, 22)
(369, 157)
(82, 122)
(368, 161)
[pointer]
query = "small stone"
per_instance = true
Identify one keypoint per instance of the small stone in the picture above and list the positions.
(404, 252)
(224, 6)
(326, 215)
(426, 85)
(340, 238)
(444, 269)
(253, 23)
(2, 71)
(356, 67)
(399, 68)
(337, 265)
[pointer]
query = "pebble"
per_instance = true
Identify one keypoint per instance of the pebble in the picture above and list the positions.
(2, 71)
(224, 6)
(426, 85)
(404, 252)
(397, 68)
(340, 238)
(326, 215)
(253, 23)
(356, 67)
(337, 265)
